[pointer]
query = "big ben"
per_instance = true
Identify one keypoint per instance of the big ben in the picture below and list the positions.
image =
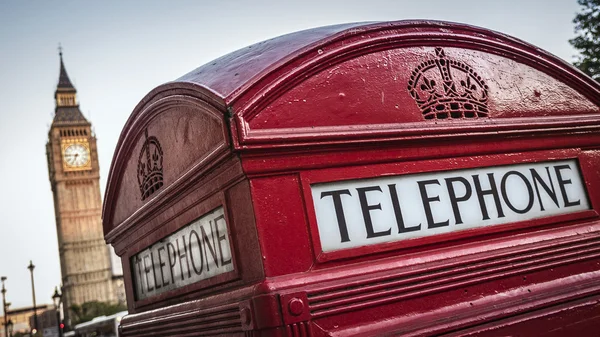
(85, 259)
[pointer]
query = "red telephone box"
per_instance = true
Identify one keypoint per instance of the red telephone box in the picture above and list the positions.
(396, 178)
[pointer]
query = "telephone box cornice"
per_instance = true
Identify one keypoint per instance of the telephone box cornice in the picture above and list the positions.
(162, 99)
(251, 79)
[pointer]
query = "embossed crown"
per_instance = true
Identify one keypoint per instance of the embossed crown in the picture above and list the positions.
(445, 88)
(150, 166)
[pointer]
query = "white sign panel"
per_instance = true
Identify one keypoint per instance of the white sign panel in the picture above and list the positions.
(370, 211)
(196, 252)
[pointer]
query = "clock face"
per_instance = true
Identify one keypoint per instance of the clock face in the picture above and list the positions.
(76, 155)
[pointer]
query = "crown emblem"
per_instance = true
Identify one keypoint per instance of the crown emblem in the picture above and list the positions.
(445, 88)
(150, 168)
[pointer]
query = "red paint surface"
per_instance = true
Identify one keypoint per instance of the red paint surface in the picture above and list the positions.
(251, 131)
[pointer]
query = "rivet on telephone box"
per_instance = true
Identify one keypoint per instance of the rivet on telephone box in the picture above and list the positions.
(366, 179)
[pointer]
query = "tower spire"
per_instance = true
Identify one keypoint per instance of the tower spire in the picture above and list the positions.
(63, 80)
(67, 107)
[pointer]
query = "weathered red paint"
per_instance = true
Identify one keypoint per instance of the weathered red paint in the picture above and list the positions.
(253, 130)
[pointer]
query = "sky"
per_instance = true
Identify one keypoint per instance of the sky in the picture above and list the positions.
(115, 52)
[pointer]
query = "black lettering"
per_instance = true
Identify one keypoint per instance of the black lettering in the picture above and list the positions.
(193, 232)
(339, 211)
(562, 182)
(211, 248)
(427, 203)
(537, 179)
(138, 262)
(481, 193)
(366, 209)
(162, 264)
(156, 285)
(182, 257)
(221, 238)
(146, 272)
(171, 253)
(398, 212)
(455, 200)
(505, 193)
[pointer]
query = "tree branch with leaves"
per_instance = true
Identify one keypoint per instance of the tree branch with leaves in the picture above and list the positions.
(587, 40)
(89, 310)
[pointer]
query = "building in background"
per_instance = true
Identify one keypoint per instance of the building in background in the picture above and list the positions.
(89, 273)
(46, 321)
(21, 318)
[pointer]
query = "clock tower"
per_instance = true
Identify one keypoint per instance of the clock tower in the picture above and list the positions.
(85, 259)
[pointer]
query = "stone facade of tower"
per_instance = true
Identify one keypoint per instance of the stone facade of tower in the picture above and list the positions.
(87, 273)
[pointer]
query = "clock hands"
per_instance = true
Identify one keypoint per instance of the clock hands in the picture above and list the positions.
(71, 158)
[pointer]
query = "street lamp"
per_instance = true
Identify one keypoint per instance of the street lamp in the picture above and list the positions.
(3, 278)
(57, 297)
(35, 320)
(10, 328)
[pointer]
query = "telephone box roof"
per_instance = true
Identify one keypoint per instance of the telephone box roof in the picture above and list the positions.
(260, 86)
(234, 74)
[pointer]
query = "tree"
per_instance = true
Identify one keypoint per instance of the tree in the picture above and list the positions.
(587, 41)
(89, 310)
